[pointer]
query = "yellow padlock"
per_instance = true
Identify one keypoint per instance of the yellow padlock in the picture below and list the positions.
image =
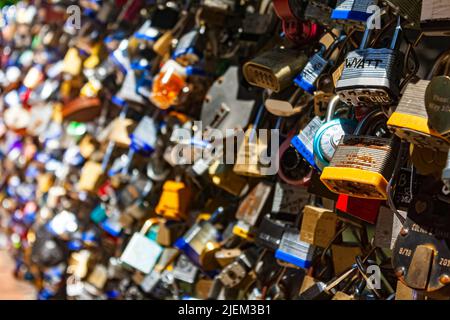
(174, 201)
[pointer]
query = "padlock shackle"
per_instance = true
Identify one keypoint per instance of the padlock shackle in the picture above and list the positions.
(331, 109)
(397, 34)
(369, 28)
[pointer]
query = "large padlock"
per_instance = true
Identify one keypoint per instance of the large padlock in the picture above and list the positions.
(371, 77)
(329, 134)
(142, 253)
(362, 164)
(410, 119)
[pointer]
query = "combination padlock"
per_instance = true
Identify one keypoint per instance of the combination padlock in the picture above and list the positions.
(329, 134)
(371, 77)
(362, 164)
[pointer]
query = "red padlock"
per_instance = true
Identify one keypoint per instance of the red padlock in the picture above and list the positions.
(295, 29)
(364, 209)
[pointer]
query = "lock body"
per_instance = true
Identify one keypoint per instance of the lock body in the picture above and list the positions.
(361, 167)
(410, 119)
(371, 77)
(174, 201)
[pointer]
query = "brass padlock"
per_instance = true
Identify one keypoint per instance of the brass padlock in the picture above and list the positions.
(223, 176)
(91, 177)
(318, 226)
(344, 256)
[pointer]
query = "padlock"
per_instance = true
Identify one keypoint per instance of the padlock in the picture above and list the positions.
(270, 231)
(90, 177)
(199, 239)
(353, 10)
(329, 134)
(174, 201)
(227, 105)
(387, 228)
(98, 276)
(317, 65)
(436, 104)
(344, 256)
(234, 275)
(223, 176)
(167, 84)
(143, 140)
(303, 142)
(169, 231)
(410, 11)
(371, 77)
(185, 270)
(362, 209)
(72, 63)
(274, 70)
(434, 18)
(141, 253)
(294, 251)
(362, 164)
(319, 226)
(288, 199)
(254, 204)
(247, 159)
(421, 253)
(295, 29)
(410, 119)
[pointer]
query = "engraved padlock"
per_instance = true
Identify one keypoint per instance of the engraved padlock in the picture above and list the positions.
(371, 77)
(362, 164)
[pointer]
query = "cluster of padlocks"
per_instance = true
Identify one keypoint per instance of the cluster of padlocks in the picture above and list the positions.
(223, 149)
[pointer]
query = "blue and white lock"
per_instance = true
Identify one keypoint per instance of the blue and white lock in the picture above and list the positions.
(357, 10)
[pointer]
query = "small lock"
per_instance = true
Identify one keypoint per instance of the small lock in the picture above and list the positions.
(371, 77)
(318, 226)
(329, 134)
(316, 66)
(190, 46)
(362, 209)
(275, 69)
(288, 199)
(362, 165)
(224, 177)
(344, 256)
(98, 276)
(293, 251)
(303, 142)
(142, 253)
(269, 232)
(169, 231)
(174, 201)
(90, 177)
